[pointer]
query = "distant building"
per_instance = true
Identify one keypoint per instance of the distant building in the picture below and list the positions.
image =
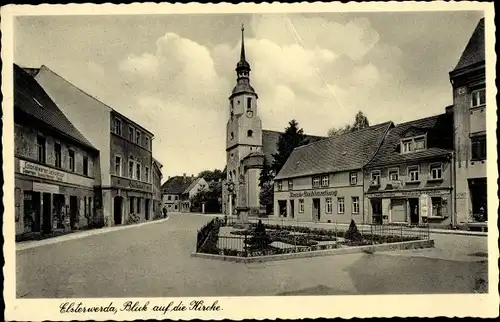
(468, 80)
(178, 190)
(323, 181)
(157, 198)
(56, 167)
(410, 178)
(125, 149)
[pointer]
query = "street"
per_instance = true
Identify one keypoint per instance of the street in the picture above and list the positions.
(154, 261)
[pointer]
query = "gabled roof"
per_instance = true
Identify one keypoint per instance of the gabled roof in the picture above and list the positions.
(177, 185)
(270, 141)
(474, 51)
(439, 131)
(341, 153)
(31, 99)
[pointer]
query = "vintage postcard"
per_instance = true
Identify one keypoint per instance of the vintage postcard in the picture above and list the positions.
(170, 161)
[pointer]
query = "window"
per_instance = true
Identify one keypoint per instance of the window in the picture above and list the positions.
(232, 135)
(131, 133)
(325, 181)
(413, 174)
(280, 185)
(249, 133)
(138, 172)
(394, 174)
(355, 205)
(301, 205)
(131, 168)
(85, 165)
(58, 155)
(118, 126)
(169, 197)
(328, 205)
(138, 137)
(290, 184)
(131, 202)
(353, 178)
(419, 144)
(138, 205)
(375, 178)
(71, 160)
(478, 147)
(41, 148)
(147, 142)
(478, 98)
(249, 103)
(340, 205)
(436, 171)
(437, 207)
(406, 146)
(176, 197)
(146, 174)
(118, 165)
(315, 182)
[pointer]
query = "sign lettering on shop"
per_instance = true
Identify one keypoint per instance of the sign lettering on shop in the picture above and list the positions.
(407, 193)
(40, 171)
(313, 193)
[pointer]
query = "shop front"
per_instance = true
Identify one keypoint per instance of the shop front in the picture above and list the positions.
(50, 200)
(132, 200)
(412, 207)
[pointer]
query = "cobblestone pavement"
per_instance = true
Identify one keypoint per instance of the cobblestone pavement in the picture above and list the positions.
(154, 261)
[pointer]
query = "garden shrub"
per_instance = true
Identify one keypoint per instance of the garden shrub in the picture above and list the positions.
(132, 219)
(353, 233)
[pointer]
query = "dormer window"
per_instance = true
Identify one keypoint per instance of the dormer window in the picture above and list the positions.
(478, 98)
(413, 144)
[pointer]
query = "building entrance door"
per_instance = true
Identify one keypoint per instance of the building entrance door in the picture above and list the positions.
(414, 212)
(146, 210)
(376, 211)
(117, 213)
(31, 212)
(47, 213)
(73, 211)
(292, 208)
(282, 208)
(315, 210)
(398, 211)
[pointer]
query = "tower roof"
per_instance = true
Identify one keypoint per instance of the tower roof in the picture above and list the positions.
(242, 64)
(474, 51)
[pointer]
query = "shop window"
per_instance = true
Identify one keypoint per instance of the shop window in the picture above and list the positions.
(478, 98)
(315, 182)
(328, 205)
(375, 178)
(118, 126)
(71, 160)
(58, 155)
(85, 165)
(413, 174)
(340, 205)
(139, 205)
(355, 205)
(41, 142)
(436, 171)
(301, 205)
(353, 178)
(394, 174)
(290, 184)
(118, 165)
(131, 204)
(478, 147)
(325, 181)
(437, 207)
(280, 185)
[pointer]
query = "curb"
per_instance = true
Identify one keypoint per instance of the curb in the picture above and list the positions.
(330, 252)
(79, 235)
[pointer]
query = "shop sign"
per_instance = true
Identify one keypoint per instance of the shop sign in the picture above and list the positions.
(131, 184)
(43, 187)
(40, 171)
(424, 205)
(313, 193)
(407, 193)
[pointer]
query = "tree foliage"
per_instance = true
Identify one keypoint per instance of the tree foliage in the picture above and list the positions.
(211, 197)
(212, 175)
(360, 122)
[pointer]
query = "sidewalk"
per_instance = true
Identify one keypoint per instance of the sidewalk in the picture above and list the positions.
(80, 234)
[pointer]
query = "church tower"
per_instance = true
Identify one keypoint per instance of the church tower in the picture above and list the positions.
(243, 136)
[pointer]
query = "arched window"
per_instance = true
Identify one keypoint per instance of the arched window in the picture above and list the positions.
(232, 135)
(249, 133)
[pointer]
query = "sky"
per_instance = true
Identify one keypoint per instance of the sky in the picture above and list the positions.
(173, 73)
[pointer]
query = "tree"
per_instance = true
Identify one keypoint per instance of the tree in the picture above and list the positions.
(211, 197)
(360, 122)
(214, 175)
(292, 138)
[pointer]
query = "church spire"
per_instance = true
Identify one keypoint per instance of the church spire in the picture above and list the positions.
(242, 55)
(243, 67)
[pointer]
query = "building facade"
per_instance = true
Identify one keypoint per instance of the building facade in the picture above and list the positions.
(157, 197)
(323, 181)
(410, 179)
(177, 192)
(56, 167)
(468, 81)
(126, 191)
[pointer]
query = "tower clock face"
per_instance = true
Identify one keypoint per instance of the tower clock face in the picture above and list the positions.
(249, 113)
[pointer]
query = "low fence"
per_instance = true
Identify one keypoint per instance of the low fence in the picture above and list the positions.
(209, 231)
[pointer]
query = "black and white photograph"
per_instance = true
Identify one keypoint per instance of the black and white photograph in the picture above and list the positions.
(188, 160)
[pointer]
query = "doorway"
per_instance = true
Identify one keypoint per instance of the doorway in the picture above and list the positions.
(146, 210)
(376, 211)
(292, 208)
(414, 216)
(58, 202)
(282, 207)
(31, 212)
(73, 211)
(47, 213)
(315, 210)
(117, 215)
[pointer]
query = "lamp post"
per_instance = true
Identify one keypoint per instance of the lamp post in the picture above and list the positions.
(230, 189)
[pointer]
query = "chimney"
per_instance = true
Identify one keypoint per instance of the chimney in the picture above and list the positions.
(449, 109)
(192, 176)
(184, 177)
